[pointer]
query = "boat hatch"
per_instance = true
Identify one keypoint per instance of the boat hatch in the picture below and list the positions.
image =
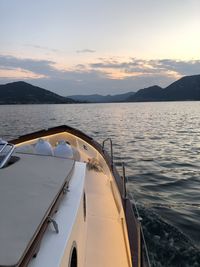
(29, 192)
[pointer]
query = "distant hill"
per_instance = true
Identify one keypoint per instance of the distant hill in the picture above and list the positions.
(147, 94)
(186, 88)
(96, 98)
(25, 93)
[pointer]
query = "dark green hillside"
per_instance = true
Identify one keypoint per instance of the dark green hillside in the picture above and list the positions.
(186, 88)
(24, 93)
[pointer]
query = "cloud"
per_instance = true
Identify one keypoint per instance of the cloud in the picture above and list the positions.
(43, 48)
(40, 67)
(151, 67)
(85, 51)
(105, 76)
(18, 73)
(182, 67)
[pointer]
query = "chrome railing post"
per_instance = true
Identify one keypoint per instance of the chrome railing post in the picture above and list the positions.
(124, 181)
(111, 149)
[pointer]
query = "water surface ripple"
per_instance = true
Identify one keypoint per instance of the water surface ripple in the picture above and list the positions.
(160, 145)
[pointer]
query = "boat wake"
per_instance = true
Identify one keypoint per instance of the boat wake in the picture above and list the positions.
(166, 244)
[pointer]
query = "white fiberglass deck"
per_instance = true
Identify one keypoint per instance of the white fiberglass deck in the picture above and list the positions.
(53, 246)
(105, 244)
(28, 190)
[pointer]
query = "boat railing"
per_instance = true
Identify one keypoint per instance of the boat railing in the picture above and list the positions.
(111, 148)
(124, 181)
(6, 150)
(141, 258)
(143, 255)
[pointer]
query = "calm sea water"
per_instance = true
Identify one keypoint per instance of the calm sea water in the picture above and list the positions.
(160, 145)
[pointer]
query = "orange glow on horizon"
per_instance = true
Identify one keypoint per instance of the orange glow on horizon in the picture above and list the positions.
(20, 74)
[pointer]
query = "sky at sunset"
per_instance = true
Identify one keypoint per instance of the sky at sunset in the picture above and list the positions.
(98, 46)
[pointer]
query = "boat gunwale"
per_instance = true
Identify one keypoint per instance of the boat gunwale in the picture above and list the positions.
(131, 221)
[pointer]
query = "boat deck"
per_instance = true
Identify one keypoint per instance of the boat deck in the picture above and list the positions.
(100, 237)
(105, 244)
(53, 246)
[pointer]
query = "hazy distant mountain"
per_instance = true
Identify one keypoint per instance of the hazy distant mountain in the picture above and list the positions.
(186, 88)
(96, 98)
(24, 93)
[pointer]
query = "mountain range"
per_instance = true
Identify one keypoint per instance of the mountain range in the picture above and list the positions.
(186, 88)
(96, 98)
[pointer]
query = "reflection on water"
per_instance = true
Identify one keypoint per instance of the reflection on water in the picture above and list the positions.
(159, 143)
